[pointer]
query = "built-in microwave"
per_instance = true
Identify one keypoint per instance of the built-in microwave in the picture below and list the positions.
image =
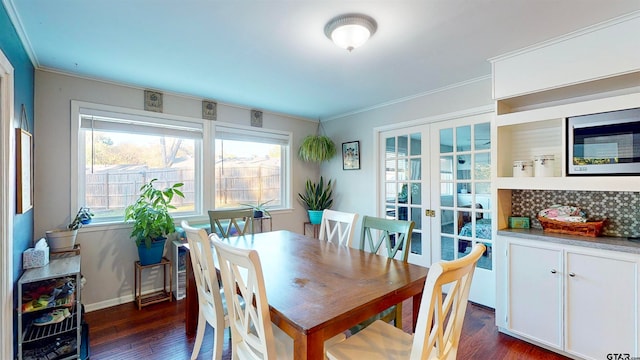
(604, 144)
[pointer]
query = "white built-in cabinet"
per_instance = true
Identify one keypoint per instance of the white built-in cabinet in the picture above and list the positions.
(581, 301)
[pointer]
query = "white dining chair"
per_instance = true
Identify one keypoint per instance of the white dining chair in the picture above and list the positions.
(253, 335)
(337, 227)
(383, 341)
(211, 304)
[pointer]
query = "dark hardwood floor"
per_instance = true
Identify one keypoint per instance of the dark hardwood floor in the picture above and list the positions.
(157, 332)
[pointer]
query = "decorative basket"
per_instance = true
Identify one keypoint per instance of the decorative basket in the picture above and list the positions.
(589, 228)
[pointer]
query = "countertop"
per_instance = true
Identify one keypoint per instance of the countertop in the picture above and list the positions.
(600, 242)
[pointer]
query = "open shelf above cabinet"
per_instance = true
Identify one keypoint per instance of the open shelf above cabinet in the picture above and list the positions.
(584, 183)
(526, 134)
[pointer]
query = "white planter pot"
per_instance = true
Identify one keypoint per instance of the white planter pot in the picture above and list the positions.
(61, 240)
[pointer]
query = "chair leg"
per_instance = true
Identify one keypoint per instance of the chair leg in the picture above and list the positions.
(202, 323)
(398, 320)
(218, 339)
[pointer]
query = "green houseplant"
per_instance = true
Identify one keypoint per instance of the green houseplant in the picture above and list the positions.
(316, 198)
(151, 220)
(316, 148)
(65, 239)
(259, 209)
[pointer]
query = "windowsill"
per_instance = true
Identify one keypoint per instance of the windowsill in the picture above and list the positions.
(194, 219)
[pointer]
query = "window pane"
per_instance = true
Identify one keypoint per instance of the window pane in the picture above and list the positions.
(416, 143)
(403, 145)
(391, 170)
(390, 147)
(446, 226)
(247, 172)
(446, 248)
(446, 140)
(483, 188)
(463, 138)
(446, 168)
(482, 165)
(416, 169)
(486, 260)
(118, 163)
(482, 136)
(416, 217)
(463, 167)
(416, 194)
(416, 243)
(403, 169)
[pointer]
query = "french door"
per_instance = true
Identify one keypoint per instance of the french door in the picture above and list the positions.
(439, 176)
(403, 154)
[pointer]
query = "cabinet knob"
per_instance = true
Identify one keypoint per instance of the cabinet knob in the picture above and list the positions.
(553, 271)
(572, 274)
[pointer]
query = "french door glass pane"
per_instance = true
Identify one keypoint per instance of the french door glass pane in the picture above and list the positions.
(403, 145)
(446, 168)
(463, 167)
(463, 138)
(483, 188)
(403, 169)
(417, 218)
(416, 194)
(482, 139)
(482, 166)
(416, 144)
(446, 198)
(416, 165)
(446, 248)
(391, 170)
(486, 259)
(446, 140)
(447, 221)
(390, 147)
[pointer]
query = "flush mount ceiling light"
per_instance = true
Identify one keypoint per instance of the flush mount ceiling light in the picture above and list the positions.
(351, 30)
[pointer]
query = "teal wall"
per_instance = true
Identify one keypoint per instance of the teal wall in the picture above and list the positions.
(13, 49)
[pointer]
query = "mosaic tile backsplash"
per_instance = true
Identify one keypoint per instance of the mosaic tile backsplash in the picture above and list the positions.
(620, 208)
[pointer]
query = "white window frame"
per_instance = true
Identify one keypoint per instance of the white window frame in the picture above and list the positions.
(79, 108)
(240, 130)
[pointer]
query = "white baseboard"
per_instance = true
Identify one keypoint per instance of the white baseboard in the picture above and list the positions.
(114, 302)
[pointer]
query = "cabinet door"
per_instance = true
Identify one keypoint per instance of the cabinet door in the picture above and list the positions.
(601, 304)
(535, 292)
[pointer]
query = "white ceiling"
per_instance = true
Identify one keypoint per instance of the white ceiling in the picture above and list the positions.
(274, 56)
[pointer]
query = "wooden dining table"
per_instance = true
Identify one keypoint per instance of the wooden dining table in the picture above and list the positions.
(317, 289)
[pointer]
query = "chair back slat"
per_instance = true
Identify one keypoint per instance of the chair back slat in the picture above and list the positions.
(337, 227)
(440, 317)
(231, 222)
(394, 234)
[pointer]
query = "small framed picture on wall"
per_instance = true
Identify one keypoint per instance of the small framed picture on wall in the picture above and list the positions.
(351, 155)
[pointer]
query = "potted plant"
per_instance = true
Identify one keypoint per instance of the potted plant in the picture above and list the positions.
(65, 239)
(259, 209)
(316, 198)
(316, 148)
(152, 221)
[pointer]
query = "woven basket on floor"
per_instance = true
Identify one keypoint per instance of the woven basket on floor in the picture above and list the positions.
(589, 228)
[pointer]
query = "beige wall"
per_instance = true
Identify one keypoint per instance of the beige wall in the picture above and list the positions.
(107, 252)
